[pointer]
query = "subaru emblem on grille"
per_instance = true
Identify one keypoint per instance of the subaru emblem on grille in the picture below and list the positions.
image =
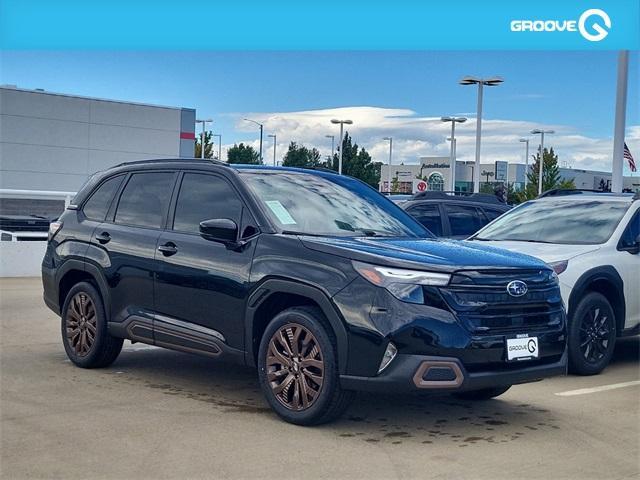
(517, 288)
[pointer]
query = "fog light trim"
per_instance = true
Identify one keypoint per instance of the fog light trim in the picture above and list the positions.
(389, 354)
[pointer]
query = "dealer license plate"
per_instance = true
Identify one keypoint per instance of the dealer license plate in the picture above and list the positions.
(522, 348)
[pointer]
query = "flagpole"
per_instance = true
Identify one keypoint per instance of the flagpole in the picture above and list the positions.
(621, 110)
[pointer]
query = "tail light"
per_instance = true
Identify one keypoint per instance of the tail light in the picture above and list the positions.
(54, 227)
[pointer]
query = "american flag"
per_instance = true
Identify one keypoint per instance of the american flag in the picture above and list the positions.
(629, 157)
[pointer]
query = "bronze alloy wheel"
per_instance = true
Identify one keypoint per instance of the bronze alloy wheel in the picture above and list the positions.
(81, 324)
(295, 367)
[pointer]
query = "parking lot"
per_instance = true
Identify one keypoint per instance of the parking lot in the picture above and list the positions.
(161, 414)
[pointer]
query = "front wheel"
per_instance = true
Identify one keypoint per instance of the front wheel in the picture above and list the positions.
(483, 394)
(298, 368)
(592, 335)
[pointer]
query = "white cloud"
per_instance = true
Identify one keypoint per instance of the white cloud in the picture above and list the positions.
(415, 136)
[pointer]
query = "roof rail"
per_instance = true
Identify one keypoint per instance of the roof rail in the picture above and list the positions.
(321, 169)
(164, 160)
(561, 192)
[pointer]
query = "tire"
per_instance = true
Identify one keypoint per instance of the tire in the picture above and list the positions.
(298, 371)
(84, 320)
(483, 394)
(592, 335)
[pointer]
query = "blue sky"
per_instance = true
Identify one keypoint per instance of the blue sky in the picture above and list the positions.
(401, 93)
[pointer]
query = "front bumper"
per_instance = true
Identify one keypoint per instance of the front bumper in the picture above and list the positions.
(406, 373)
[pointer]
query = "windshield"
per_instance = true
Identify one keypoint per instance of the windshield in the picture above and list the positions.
(565, 222)
(321, 205)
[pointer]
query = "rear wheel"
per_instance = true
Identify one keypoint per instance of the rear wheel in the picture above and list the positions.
(592, 335)
(84, 329)
(483, 394)
(298, 368)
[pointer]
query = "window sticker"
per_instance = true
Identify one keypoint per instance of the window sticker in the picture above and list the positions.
(284, 217)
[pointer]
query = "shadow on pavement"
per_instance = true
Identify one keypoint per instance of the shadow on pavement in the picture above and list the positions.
(392, 419)
(627, 351)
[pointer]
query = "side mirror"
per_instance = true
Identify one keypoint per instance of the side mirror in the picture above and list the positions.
(633, 248)
(222, 230)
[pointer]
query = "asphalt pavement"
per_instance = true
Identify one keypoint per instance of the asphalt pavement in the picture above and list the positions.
(160, 414)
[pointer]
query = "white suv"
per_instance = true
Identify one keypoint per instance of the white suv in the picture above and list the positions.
(592, 241)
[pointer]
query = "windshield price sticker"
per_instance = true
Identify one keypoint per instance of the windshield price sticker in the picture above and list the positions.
(283, 215)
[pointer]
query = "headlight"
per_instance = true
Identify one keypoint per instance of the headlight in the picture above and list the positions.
(559, 267)
(405, 285)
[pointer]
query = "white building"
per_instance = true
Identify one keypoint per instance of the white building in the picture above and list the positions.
(53, 142)
(436, 172)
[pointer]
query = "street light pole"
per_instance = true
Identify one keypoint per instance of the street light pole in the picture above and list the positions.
(526, 160)
(390, 154)
(219, 136)
(203, 134)
(541, 163)
(333, 147)
(274, 148)
(342, 124)
(261, 127)
(452, 153)
(481, 82)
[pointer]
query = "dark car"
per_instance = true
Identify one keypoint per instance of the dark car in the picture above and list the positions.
(454, 216)
(317, 279)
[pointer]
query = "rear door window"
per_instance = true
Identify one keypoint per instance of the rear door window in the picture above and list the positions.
(144, 200)
(464, 220)
(429, 216)
(97, 206)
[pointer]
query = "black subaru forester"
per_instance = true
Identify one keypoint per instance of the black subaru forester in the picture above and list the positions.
(317, 279)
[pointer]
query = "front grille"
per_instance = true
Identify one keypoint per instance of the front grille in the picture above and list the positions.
(482, 303)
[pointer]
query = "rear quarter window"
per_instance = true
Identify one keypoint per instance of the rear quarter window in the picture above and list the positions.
(97, 206)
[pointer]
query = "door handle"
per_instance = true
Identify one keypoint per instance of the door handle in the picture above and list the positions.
(103, 238)
(168, 249)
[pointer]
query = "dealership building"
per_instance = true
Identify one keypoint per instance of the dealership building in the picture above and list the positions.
(436, 172)
(52, 142)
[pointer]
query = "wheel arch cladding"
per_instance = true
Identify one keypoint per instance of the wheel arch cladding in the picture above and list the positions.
(607, 281)
(73, 272)
(272, 297)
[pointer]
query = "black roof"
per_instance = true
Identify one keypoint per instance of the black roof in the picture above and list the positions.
(463, 197)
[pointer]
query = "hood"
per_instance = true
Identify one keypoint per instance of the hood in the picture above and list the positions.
(419, 253)
(547, 252)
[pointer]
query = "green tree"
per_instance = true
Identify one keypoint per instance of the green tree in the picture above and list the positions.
(208, 145)
(395, 184)
(550, 177)
(356, 162)
(244, 154)
(301, 156)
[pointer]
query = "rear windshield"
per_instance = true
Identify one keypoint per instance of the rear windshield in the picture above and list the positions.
(564, 222)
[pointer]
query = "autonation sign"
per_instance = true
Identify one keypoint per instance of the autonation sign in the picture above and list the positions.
(593, 24)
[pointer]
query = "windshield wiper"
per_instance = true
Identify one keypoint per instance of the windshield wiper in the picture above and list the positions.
(293, 232)
(484, 239)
